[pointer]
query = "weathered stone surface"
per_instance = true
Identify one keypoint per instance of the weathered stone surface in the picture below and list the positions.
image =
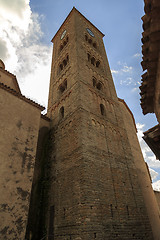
(82, 175)
(95, 191)
(150, 63)
(19, 126)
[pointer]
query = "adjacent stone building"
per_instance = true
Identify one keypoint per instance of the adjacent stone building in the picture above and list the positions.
(20, 121)
(150, 86)
(77, 173)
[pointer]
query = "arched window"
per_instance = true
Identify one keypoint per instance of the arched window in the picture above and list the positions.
(61, 112)
(65, 83)
(89, 57)
(67, 58)
(90, 41)
(97, 64)
(94, 82)
(64, 63)
(93, 60)
(86, 38)
(61, 47)
(61, 88)
(102, 109)
(61, 67)
(94, 45)
(99, 86)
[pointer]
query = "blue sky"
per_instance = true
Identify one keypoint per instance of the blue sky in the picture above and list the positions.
(27, 27)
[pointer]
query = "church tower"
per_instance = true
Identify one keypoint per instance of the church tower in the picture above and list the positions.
(95, 192)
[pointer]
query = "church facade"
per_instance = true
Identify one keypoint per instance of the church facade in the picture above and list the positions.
(78, 172)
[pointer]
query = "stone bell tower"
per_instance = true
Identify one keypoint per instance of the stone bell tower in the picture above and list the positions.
(95, 192)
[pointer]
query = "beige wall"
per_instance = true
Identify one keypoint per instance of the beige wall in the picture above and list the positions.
(19, 126)
(157, 194)
(142, 172)
(7, 80)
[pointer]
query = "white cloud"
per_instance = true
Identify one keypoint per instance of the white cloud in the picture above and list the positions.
(127, 81)
(136, 89)
(125, 73)
(23, 52)
(126, 69)
(149, 157)
(114, 71)
(153, 173)
(156, 185)
(16, 12)
(137, 55)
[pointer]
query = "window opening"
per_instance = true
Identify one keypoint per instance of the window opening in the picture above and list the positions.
(94, 45)
(127, 210)
(99, 86)
(65, 83)
(89, 57)
(111, 210)
(62, 112)
(61, 88)
(90, 41)
(93, 60)
(67, 58)
(64, 63)
(86, 38)
(64, 212)
(94, 82)
(102, 108)
(97, 63)
(64, 43)
(61, 67)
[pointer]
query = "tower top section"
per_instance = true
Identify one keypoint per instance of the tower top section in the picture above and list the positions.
(73, 12)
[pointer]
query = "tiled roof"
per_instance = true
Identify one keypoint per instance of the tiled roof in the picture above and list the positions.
(19, 95)
(150, 50)
(13, 77)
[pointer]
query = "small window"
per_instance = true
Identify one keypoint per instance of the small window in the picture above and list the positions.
(61, 88)
(61, 111)
(94, 45)
(102, 108)
(94, 82)
(67, 39)
(89, 57)
(61, 67)
(64, 63)
(86, 38)
(67, 58)
(93, 60)
(65, 83)
(61, 47)
(90, 41)
(97, 64)
(99, 86)
(64, 43)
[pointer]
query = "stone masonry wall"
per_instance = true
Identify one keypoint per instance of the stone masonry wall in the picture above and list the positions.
(142, 172)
